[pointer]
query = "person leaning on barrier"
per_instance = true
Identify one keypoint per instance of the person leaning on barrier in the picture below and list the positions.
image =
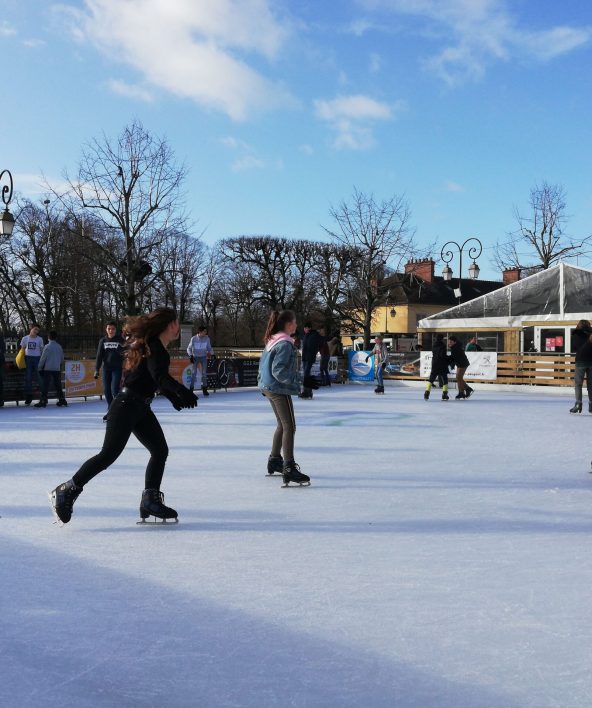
(582, 343)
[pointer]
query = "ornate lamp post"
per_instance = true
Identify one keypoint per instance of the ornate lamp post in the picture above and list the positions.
(474, 251)
(7, 220)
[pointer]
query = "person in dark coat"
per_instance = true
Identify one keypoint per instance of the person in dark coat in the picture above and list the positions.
(439, 368)
(458, 358)
(2, 362)
(311, 344)
(110, 357)
(582, 345)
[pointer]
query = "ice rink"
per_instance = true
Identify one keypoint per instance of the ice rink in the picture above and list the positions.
(440, 558)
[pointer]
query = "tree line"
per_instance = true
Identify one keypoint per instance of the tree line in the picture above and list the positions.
(118, 241)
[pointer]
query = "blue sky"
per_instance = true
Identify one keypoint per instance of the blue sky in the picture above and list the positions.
(279, 109)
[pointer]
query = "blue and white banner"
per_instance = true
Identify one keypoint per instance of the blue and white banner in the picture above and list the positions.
(358, 368)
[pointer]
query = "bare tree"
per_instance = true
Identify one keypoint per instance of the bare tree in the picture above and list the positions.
(133, 185)
(540, 240)
(377, 237)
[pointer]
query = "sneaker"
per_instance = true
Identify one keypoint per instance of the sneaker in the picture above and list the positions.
(152, 504)
(275, 464)
(577, 408)
(63, 498)
(426, 395)
(292, 473)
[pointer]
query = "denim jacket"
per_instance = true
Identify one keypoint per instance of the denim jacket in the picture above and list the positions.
(278, 370)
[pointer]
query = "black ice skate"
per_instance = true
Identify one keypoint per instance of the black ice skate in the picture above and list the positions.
(275, 464)
(426, 395)
(460, 396)
(379, 389)
(468, 391)
(445, 396)
(42, 403)
(152, 504)
(62, 500)
(62, 402)
(204, 390)
(577, 408)
(28, 400)
(589, 406)
(293, 474)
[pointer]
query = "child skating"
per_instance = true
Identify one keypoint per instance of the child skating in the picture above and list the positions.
(279, 380)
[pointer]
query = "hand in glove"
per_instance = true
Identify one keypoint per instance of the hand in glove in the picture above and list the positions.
(96, 376)
(182, 398)
(310, 382)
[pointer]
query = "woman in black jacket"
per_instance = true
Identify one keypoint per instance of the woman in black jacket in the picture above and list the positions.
(439, 368)
(459, 359)
(146, 370)
(582, 344)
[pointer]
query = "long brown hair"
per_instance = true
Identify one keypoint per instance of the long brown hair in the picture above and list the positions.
(276, 323)
(142, 328)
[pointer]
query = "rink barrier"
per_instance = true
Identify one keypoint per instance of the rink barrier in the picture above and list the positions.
(537, 369)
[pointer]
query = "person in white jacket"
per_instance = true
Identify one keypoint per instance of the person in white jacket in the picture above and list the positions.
(199, 350)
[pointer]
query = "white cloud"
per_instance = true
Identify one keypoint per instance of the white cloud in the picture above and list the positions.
(247, 159)
(306, 149)
(351, 118)
(477, 33)
(375, 63)
(34, 186)
(6, 29)
(34, 43)
(194, 49)
(454, 187)
(121, 88)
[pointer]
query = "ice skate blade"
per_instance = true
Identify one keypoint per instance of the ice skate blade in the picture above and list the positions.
(295, 484)
(158, 522)
(57, 520)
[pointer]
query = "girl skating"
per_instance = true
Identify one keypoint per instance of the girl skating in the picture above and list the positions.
(146, 370)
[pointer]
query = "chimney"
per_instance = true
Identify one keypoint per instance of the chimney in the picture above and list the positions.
(423, 268)
(511, 275)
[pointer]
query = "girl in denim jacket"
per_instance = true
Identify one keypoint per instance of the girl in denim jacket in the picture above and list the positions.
(279, 379)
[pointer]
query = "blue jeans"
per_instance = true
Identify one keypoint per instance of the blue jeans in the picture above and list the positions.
(379, 375)
(111, 382)
(201, 361)
(32, 368)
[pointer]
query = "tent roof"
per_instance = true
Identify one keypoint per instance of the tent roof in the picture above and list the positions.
(552, 294)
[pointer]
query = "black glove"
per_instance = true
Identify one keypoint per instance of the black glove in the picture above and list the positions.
(187, 398)
(192, 359)
(310, 382)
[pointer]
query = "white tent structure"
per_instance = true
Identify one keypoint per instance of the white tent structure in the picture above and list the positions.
(538, 311)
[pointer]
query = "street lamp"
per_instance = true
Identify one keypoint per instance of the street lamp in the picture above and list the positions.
(7, 220)
(474, 251)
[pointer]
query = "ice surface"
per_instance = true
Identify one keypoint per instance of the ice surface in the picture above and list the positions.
(441, 557)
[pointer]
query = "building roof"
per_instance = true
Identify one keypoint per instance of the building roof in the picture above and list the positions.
(411, 289)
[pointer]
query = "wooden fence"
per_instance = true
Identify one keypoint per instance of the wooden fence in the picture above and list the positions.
(528, 369)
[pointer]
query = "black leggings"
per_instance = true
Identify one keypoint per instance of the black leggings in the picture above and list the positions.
(283, 437)
(126, 416)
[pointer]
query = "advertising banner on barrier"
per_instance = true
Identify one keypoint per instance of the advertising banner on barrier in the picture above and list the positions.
(79, 379)
(358, 368)
(482, 365)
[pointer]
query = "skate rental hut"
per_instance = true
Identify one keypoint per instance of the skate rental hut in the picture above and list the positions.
(528, 323)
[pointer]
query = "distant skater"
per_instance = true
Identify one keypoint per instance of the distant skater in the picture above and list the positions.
(439, 368)
(279, 379)
(146, 370)
(582, 343)
(380, 354)
(110, 357)
(458, 358)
